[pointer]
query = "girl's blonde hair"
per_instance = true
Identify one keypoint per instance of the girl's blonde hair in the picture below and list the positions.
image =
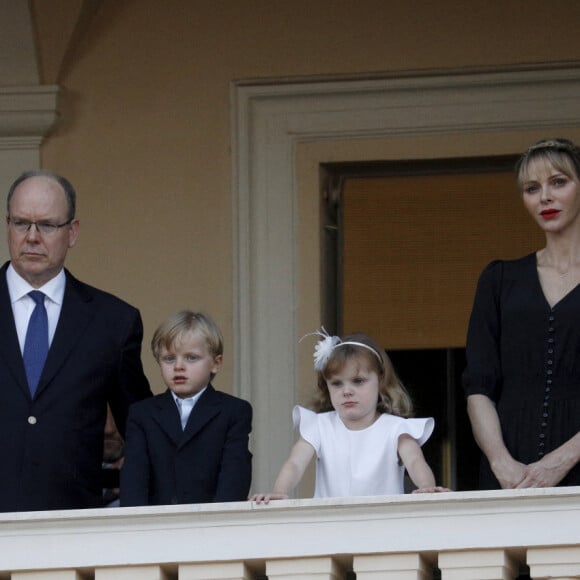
(393, 397)
(562, 154)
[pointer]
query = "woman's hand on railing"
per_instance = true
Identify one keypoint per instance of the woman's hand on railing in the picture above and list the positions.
(434, 489)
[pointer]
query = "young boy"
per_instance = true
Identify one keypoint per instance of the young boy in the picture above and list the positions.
(190, 444)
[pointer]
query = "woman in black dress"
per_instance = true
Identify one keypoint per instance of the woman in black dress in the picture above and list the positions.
(523, 345)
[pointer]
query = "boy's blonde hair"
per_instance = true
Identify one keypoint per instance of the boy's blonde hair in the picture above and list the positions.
(183, 322)
(393, 397)
(562, 154)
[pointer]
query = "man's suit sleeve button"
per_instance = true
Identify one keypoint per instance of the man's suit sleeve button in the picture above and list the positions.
(32, 420)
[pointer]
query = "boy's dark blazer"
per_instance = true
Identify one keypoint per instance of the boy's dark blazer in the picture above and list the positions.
(209, 461)
(52, 444)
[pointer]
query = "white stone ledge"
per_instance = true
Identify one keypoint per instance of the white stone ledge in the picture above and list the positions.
(514, 520)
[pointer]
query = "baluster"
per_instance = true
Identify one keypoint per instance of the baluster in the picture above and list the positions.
(478, 565)
(322, 568)
(561, 563)
(47, 575)
(392, 567)
(216, 571)
(149, 572)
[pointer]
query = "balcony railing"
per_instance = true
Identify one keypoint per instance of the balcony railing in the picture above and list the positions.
(454, 536)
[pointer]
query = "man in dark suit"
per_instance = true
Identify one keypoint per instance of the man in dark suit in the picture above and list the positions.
(190, 444)
(53, 405)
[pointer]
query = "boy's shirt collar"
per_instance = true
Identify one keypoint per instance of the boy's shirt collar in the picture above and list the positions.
(185, 406)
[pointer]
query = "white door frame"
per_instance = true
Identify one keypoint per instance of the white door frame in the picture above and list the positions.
(269, 121)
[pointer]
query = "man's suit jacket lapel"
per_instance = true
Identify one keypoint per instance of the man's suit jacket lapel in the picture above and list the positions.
(75, 315)
(9, 347)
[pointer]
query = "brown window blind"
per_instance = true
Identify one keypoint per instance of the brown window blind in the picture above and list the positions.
(413, 248)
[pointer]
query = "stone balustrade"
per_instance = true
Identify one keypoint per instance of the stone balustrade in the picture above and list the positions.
(454, 536)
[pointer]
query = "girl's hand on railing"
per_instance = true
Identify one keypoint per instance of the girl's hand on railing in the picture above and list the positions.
(266, 497)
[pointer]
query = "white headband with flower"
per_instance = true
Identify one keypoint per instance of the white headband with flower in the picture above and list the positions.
(328, 343)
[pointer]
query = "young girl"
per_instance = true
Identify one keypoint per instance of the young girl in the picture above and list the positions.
(360, 435)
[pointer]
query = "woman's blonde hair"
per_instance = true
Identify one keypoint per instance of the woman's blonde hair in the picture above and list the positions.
(562, 154)
(393, 397)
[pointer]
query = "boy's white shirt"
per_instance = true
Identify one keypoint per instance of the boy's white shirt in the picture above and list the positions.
(185, 406)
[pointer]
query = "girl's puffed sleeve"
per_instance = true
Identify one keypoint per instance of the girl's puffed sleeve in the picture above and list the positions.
(482, 375)
(418, 429)
(306, 421)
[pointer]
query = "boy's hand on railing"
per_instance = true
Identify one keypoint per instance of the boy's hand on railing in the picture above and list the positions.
(266, 497)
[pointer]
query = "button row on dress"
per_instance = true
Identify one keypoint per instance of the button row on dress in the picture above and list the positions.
(548, 388)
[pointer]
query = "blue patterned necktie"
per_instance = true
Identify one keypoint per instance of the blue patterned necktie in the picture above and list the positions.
(36, 342)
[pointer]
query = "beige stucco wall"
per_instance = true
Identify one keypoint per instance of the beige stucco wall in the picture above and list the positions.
(145, 134)
(145, 131)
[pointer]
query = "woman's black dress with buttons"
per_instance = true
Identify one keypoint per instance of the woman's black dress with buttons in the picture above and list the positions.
(525, 356)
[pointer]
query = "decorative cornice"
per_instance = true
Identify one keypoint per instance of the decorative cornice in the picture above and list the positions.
(27, 115)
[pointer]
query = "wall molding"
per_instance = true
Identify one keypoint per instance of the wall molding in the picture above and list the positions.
(27, 113)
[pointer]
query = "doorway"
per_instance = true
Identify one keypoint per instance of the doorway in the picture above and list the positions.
(403, 246)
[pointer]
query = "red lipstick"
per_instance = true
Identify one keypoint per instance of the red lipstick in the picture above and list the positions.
(549, 214)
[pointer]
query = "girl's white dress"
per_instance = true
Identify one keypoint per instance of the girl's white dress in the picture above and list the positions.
(355, 463)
